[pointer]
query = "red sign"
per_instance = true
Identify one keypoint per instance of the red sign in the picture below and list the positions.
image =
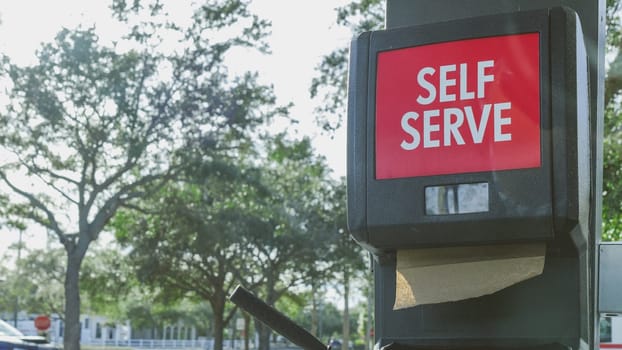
(42, 322)
(459, 107)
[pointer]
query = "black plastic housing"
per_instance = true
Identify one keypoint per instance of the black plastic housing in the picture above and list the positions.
(526, 204)
(551, 203)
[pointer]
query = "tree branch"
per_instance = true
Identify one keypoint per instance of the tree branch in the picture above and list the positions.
(51, 223)
(123, 195)
(37, 171)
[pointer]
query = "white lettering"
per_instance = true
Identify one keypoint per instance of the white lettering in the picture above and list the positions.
(429, 128)
(444, 83)
(483, 78)
(426, 85)
(501, 121)
(452, 84)
(464, 93)
(477, 131)
(416, 138)
(451, 128)
(448, 128)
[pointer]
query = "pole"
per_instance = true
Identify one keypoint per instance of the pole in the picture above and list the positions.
(233, 326)
(368, 337)
(19, 257)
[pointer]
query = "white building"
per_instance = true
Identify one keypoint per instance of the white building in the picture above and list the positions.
(94, 329)
(99, 330)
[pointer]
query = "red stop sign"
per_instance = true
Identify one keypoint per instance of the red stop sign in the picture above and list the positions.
(42, 322)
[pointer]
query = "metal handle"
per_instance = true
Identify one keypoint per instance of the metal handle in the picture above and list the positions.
(275, 319)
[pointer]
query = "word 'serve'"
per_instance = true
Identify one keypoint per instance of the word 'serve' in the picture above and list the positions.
(441, 127)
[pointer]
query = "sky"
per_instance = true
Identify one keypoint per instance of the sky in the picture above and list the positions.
(302, 33)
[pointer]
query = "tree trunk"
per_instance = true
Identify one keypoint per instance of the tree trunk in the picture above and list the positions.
(71, 336)
(264, 335)
(314, 310)
(247, 321)
(264, 331)
(219, 325)
(346, 310)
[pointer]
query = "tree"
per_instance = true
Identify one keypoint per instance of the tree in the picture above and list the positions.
(296, 307)
(342, 261)
(295, 249)
(39, 282)
(331, 84)
(92, 128)
(326, 225)
(107, 284)
(612, 150)
(350, 258)
(247, 218)
(187, 240)
(149, 315)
